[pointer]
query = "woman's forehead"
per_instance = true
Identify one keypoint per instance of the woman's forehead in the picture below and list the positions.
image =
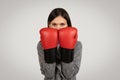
(59, 19)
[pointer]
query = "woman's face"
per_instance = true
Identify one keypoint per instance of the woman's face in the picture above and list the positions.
(58, 23)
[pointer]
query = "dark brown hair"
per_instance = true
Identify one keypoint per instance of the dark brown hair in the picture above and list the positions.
(59, 12)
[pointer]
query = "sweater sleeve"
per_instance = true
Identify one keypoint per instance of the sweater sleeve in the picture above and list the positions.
(48, 70)
(70, 70)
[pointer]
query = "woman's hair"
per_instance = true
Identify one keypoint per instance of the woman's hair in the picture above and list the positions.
(59, 12)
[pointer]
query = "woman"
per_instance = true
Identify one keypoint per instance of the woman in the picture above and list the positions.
(56, 66)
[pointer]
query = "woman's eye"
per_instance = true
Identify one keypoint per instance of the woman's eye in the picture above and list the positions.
(54, 24)
(62, 24)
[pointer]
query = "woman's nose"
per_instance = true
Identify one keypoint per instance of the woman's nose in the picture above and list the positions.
(58, 27)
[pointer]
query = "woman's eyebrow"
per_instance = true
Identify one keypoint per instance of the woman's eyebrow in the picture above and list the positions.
(54, 23)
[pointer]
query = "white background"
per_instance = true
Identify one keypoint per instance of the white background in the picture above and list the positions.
(98, 23)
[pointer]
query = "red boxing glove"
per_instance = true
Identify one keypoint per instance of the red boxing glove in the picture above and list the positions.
(67, 38)
(49, 40)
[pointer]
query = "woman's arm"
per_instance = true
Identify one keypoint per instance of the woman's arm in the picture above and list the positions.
(46, 69)
(71, 69)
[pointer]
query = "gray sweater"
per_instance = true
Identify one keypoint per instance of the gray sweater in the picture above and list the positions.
(61, 71)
